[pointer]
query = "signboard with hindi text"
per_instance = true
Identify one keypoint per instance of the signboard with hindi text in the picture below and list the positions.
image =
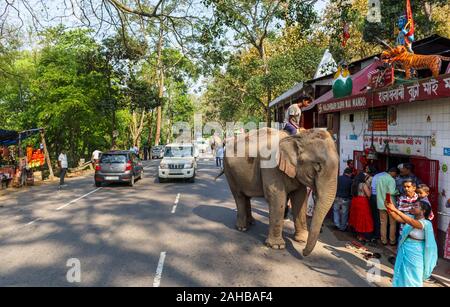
(426, 89)
(400, 145)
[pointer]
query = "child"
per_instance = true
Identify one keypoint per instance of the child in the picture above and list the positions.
(406, 201)
(423, 191)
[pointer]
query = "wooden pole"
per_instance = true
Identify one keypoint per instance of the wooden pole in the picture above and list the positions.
(47, 157)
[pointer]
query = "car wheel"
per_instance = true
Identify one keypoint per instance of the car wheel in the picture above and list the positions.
(192, 180)
(98, 184)
(131, 181)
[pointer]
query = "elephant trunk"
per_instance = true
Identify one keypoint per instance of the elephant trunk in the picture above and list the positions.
(326, 187)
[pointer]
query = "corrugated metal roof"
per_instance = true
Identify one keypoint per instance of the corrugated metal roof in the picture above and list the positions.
(286, 95)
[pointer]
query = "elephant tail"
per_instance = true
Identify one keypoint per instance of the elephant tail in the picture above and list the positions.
(221, 173)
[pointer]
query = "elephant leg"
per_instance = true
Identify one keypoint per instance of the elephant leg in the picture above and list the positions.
(299, 207)
(243, 206)
(277, 203)
(248, 208)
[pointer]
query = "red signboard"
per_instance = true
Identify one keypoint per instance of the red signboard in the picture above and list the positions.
(381, 78)
(426, 89)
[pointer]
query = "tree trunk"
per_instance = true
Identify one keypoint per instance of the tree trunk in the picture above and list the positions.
(150, 130)
(263, 55)
(161, 80)
(47, 157)
(428, 7)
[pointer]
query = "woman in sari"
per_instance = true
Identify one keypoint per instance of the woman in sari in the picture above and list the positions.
(417, 250)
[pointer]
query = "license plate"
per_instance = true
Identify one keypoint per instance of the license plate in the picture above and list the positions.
(111, 178)
(175, 173)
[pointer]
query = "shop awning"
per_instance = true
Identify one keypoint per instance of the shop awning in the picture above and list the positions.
(415, 90)
(10, 137)
(6, 135)
(360, 82)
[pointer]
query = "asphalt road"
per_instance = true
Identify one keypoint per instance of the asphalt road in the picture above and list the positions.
(125, 236)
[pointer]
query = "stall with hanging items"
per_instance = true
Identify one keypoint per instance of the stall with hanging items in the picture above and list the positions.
(21, 163)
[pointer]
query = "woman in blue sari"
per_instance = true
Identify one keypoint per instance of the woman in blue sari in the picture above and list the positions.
(417, 249)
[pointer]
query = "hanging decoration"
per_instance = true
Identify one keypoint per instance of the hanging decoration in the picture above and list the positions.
(406, 27)
(346, 34)
(342, 82)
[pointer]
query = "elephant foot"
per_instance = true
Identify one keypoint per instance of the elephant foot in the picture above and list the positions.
(301, 237)
(276, 243)
(251, 221)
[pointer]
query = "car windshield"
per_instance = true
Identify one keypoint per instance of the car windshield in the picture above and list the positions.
(110, 158)
(181, 151)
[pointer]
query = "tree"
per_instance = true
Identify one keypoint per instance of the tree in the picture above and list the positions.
(252, 23)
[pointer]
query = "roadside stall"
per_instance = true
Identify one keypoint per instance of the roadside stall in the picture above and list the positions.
(20, 164)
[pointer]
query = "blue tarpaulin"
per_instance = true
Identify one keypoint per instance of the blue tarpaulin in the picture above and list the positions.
(10, 137)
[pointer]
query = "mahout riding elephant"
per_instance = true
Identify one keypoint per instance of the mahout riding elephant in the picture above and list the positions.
(271, 164)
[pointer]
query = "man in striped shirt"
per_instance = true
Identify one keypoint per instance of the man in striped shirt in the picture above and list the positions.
(407, 199)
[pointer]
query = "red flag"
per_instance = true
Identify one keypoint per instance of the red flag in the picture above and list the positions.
(409, 15)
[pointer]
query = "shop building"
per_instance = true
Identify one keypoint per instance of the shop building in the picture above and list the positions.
(408, 121)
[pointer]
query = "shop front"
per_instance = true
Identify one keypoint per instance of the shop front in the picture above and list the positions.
(20, 163)
(404, 123)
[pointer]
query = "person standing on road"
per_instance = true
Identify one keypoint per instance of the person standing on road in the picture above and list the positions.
(360, 216)
(95, 157)
(63, 165)
(385, 185)
(341, 204)
(417, 250)
(219, 156)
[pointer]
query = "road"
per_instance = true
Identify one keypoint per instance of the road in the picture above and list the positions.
(153, 234)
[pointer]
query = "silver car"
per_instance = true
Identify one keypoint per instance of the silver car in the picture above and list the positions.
(118, 166)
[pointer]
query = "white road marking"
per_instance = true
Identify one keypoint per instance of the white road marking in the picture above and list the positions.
(32, 222)
(159, 270)
(176, 203)
(75, 200)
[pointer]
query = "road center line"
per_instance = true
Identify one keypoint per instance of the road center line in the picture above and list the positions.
(75, 200)
(176, 203)
(159, 269)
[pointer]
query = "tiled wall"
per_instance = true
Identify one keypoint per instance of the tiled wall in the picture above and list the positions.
(411, 120)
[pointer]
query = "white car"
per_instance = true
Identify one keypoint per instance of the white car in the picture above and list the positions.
(180, 161)
(202, 145)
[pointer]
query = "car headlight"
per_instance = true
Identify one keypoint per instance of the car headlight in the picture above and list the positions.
(163, 165)
(189, 165)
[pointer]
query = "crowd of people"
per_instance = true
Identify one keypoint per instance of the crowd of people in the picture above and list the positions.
(389, 207)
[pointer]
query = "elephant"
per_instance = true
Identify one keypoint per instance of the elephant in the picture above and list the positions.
(306, 159)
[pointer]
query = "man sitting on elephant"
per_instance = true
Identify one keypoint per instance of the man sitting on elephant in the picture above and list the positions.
(293, 115)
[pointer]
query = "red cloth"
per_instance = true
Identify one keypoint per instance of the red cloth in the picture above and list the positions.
(360, 215)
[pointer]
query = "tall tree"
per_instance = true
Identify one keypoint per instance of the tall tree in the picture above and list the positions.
(252, 23)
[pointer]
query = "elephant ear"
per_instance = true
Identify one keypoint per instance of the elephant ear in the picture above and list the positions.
(287, 156)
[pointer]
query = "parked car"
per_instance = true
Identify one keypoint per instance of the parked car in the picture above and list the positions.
(202, 145)
(179, 162)
(157, 152)
(118, 166)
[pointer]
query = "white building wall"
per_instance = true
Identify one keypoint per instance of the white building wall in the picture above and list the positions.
(411, 121)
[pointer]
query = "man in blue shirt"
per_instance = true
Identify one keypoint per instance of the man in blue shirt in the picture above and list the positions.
(343, 199)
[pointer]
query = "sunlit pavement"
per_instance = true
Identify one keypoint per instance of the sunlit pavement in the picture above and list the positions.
(153, 234)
